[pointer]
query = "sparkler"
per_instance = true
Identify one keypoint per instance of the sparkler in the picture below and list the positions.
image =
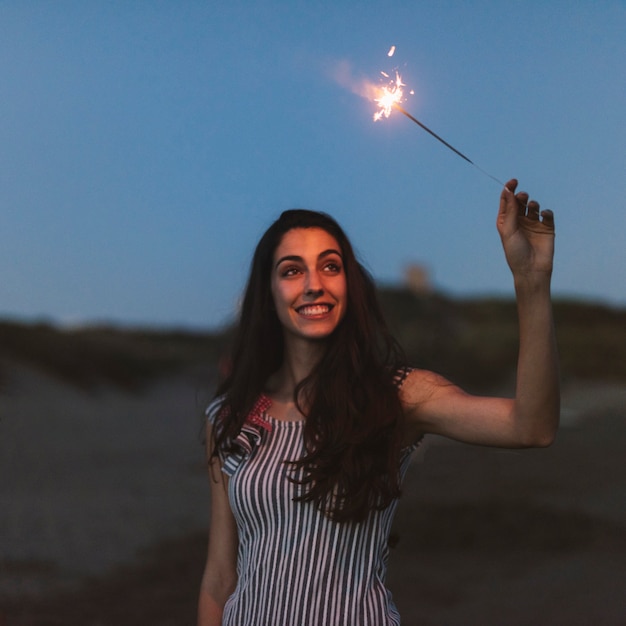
(390, 98)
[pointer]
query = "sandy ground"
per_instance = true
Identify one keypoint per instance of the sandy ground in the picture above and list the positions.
(104, 504)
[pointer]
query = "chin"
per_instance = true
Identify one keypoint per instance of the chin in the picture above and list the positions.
(316, 334)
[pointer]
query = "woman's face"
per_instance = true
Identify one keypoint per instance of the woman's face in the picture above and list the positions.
(309, 283)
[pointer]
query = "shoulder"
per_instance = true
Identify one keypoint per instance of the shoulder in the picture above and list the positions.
(214, 409)
(425, 394)
(417, 385)
(416, 388)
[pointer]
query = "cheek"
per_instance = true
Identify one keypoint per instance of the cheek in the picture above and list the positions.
(343, 290)
(345, 299)
(281, 295)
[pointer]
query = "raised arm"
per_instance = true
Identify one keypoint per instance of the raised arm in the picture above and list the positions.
(433, 405)
(220, 572)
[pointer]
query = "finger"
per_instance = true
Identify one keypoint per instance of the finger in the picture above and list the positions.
(533, 210)
(507, 195)
(512, 185)
(522, 201)
(507, 213)
(547, 218)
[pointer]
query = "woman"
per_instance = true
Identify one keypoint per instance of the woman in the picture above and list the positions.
(311, 432)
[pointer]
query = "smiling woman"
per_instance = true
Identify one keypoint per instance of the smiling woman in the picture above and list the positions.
(308, 284)
(312, 430)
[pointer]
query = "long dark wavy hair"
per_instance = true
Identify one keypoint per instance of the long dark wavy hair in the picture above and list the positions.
(353, 428)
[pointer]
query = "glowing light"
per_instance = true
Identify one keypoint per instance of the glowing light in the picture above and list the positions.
(390, 96)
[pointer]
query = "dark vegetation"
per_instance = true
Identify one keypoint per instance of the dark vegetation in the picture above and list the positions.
(473, 342)
(87, 357)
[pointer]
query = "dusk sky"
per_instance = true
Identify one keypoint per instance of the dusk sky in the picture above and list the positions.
(145, 146)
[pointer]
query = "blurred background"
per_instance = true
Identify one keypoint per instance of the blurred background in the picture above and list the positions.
(146, 146)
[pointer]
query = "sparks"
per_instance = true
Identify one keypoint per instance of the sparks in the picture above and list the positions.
(391, 96)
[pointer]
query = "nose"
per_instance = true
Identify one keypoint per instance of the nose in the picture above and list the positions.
(313, 293)
(314, 287)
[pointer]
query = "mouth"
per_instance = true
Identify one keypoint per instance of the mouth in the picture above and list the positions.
(314, 310)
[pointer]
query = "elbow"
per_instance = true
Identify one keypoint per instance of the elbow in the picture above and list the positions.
(211, 602)
(219, 590)
(542, 437)
(540, 427)
(217, 585)
(538, 440)
(544, 440)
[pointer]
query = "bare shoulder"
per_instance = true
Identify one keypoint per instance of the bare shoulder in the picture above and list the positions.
(419, 391)
(421, 386)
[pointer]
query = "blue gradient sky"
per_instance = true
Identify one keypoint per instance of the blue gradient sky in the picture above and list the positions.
(145, 146)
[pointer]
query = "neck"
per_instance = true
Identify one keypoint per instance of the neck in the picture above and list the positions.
(299, 359)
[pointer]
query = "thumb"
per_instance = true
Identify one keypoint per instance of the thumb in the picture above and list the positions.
(507, 212)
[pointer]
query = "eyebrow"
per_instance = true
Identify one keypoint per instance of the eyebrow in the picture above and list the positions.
(296, 258)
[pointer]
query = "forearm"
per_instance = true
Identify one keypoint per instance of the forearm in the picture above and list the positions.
(218, 583)
(209, 611)
(214, 591)
(537, 398)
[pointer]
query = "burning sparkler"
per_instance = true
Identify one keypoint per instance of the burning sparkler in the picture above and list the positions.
(390, 98)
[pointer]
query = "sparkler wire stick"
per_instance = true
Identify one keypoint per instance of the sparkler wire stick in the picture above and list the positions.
(445, 143)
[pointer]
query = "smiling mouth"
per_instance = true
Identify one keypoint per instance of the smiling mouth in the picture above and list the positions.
(311, 310)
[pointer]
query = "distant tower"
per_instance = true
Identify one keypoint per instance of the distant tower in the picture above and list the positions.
(417, 279)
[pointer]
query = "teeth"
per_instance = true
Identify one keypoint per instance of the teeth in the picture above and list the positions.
(317, 309)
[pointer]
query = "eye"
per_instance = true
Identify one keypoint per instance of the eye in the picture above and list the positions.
(289, 270)
(332, 267)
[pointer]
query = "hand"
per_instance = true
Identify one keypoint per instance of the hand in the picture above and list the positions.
(527, 234)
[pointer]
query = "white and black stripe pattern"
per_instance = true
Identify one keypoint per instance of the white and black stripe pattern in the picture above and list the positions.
(296, 567)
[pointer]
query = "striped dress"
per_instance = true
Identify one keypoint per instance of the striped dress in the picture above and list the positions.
(295, 566)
